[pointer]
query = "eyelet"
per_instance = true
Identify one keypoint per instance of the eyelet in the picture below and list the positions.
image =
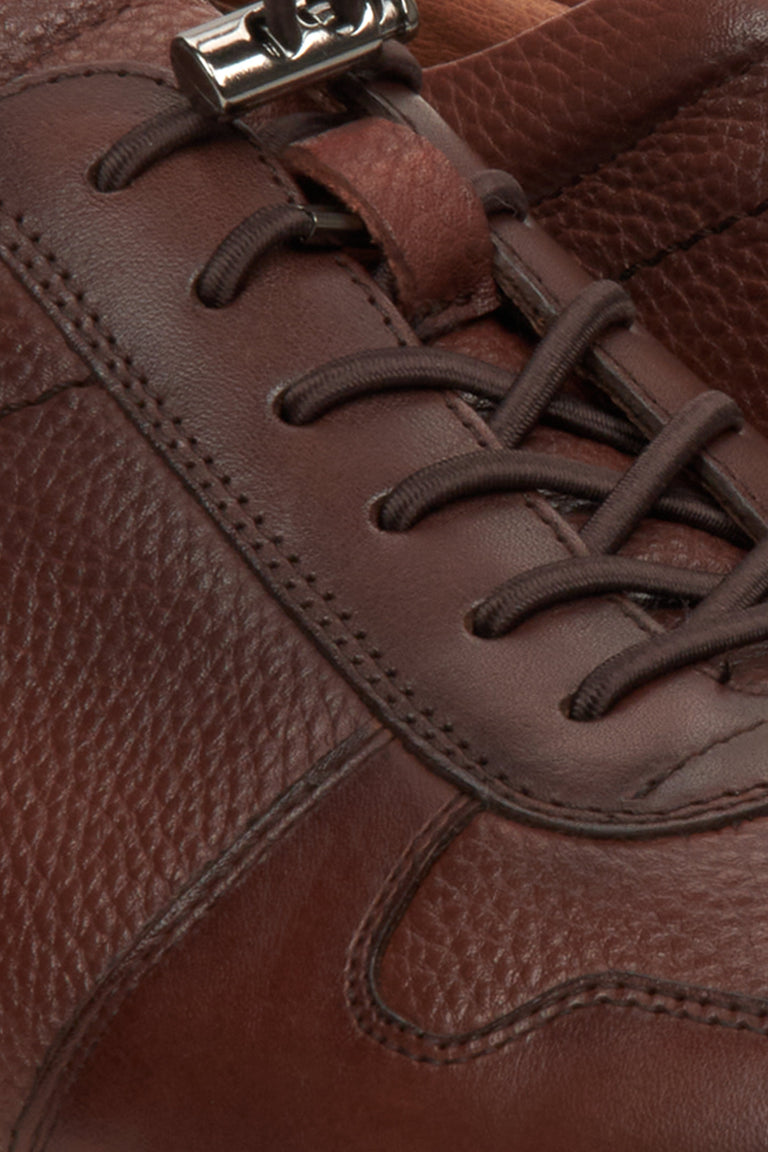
(375, 507)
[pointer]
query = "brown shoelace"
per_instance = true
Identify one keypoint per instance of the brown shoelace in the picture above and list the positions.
(727, 613)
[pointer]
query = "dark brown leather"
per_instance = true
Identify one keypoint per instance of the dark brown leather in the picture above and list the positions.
(524, 105)
(625, 1068)
(150, 683)
(508, 913)
(429, 225)
(251, 835)
(448, 32)
(648, 163)
(448, 696)
(36, 35)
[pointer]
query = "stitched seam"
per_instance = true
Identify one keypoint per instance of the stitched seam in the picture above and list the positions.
(418, 722)
(118, 367)
(393, 899)
(667, 118)
(654, 783)
(27, 83)
(690, 242)
(376, 1020)
(91, 331)
(678, 1007)
(172, 924)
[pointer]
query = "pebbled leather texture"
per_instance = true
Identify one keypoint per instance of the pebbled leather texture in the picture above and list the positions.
(691, 248)
(652, 169)
(34, 358)
(37, 34)
(450, 691)
(448, 32)
(431, 229)
(507, 914)
(568, 95)
(147, 685)
(218, 659)
(590, 1079)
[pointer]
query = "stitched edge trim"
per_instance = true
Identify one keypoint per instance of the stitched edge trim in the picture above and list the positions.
(77, 1040)
(629, 990)
(55, 288)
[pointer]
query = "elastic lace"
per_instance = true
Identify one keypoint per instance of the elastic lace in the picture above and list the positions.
(727, 612)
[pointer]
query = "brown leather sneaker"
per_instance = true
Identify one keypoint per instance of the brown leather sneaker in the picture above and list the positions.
(385, 707)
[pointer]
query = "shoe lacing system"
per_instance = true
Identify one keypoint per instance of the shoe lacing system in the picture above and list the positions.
(727, 612)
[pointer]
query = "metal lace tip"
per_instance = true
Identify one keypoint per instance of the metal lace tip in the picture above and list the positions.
(237, 62)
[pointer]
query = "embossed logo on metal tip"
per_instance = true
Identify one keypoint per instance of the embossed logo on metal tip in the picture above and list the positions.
(238, 61)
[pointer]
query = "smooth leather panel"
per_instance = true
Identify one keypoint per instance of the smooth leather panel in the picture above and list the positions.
(147, 688)
(206, 1053)
(311, 491)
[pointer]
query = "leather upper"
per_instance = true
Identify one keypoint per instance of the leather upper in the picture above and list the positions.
(270, 887)
(648, 162)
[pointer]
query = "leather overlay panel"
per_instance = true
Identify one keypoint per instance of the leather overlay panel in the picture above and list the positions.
(34, 358)
(567, 96)
(362, 593)
(287, 936)
(67, 1055)
(590, 1080)
(148, 690)
(501, 935)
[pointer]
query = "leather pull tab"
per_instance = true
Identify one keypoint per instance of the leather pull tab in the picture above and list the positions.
(427, 220)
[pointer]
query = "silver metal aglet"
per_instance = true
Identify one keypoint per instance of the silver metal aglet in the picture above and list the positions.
(236, 62)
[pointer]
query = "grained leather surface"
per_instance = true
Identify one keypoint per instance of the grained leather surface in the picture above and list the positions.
(452, 687)
(261, 1016)
(595, 1078)
(147, 685)
(508, 913)
(448, 31)
(691, 247)
(36, 34)
(34, 358)
(430, 227)
(566, 96)
(654, 176)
